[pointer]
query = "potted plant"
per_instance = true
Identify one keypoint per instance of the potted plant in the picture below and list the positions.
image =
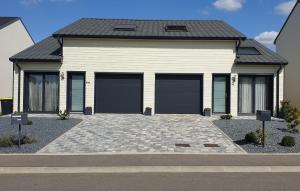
(207, 112)
(88, 111)
(148, 111)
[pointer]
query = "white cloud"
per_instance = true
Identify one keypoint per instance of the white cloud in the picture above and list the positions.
(285, 8)
(34, 2)
(30, 2)
(267, 38)
(229, 5)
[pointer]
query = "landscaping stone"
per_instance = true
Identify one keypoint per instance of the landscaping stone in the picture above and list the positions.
(276, 129)
(43, 129)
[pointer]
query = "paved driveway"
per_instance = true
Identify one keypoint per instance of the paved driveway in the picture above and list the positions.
(139, 133)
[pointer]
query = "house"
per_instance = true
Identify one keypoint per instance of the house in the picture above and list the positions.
(14, 37)
(126, 66)
(287, 43)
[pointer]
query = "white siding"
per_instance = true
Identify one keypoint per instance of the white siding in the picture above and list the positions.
(151, 57)
(257, 70)
(38, 66)
(148, 57)
(288, 46)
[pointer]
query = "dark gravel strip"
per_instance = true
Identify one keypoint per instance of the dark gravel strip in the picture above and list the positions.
(43, 129)
(237, 129)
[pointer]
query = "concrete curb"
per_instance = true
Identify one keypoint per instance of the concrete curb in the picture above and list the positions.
(148, 169)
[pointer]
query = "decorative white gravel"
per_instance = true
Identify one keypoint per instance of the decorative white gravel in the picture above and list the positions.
(236, 129)
(43, 129)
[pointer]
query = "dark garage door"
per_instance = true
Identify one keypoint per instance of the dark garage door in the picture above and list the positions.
(178, 94)
(118, 93)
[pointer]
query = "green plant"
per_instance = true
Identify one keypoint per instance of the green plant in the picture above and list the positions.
(14, 140)
(291, 116)
(255, 137)
(28, 140)
(251, 137)
(6, 141)
(260, 137)
(29, 122)
(63, 115)
(288, 141)
(226, 117)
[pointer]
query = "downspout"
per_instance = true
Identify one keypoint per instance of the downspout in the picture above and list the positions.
(277, 89)
(19, 83)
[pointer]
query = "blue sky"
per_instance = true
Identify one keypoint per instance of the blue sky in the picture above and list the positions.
(260, 19)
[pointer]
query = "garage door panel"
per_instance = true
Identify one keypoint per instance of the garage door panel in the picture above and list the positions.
(118, 93)
(178, 94)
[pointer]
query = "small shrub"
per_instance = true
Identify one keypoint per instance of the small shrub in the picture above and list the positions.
(255, 137)
(28, 140)
(6, 142)
(260, 137)
(250, 137)
(288, 141)
(291, 116)
(63, 115)
(226, 117)
(29, 122)
(10, 141)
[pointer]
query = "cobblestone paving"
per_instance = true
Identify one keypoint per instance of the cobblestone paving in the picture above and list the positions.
(139, 133)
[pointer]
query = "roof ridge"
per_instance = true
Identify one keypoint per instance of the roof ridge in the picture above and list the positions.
(94, 18)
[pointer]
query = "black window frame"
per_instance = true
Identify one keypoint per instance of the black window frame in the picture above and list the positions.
(69, 96)
(26, 91)
(270, 106)
(176, 28)
(125, 27)
(257, 52)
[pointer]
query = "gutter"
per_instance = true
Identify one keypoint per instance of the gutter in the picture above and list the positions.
(277, 89)
(19, 83)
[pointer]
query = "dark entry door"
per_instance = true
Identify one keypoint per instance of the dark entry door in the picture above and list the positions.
(76, 91)
(118, 93)
(221, 93)
(181, 94)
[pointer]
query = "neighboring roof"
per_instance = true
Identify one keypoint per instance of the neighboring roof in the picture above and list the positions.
(266, 56)
(298, 1)
(5, 21)
(150, 29)
(48, 50)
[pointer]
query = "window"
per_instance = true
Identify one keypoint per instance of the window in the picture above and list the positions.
(41, 92)
(176, 28)
(247, 51)
(255, 93)
(125, 28)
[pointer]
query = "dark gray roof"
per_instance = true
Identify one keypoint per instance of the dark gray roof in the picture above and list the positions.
(150, 29)
(48, 50)
(5, 21)
(266, 56)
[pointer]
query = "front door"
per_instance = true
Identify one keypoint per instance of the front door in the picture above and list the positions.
(76, 91)
(221, 98)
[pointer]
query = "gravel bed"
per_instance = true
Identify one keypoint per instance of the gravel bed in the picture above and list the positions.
(43, 129)
(275, 129)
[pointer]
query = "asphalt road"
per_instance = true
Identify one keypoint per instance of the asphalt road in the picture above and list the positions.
(152, 181)
(261, 178)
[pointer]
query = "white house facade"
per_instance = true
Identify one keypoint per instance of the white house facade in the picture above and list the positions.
(127, 66)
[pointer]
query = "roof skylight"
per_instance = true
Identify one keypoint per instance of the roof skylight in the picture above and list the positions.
(125, 28)
(247, 51)
(176, 28)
